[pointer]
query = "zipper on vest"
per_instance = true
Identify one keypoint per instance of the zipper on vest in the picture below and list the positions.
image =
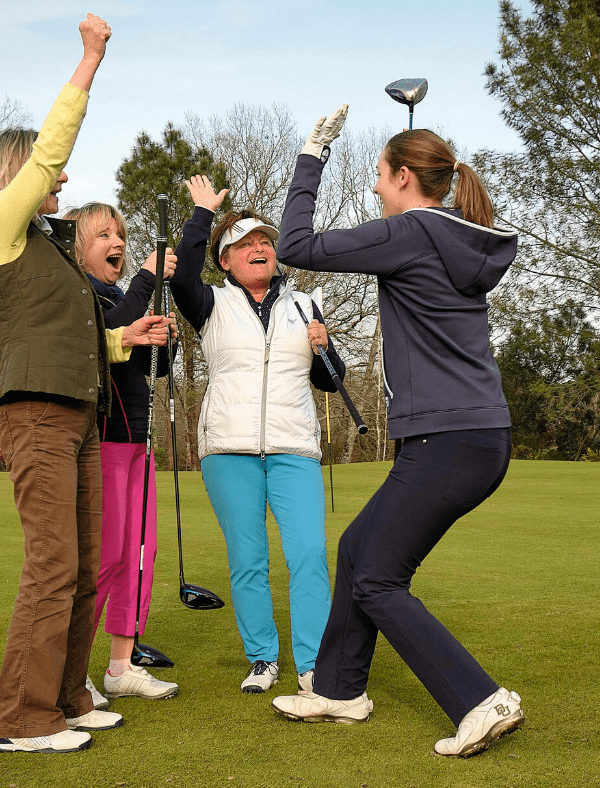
(263, 406)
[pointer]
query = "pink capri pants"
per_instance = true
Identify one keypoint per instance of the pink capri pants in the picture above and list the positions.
(122, 499)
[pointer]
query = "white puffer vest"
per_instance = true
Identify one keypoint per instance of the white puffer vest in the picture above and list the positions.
(258, 399)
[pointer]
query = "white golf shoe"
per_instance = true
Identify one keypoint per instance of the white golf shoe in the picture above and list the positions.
(136, 682)
(499, 714)
(261, 677)
(95, 720)
(63, 741)
(306, 681)
(99, 701)
(315, 708)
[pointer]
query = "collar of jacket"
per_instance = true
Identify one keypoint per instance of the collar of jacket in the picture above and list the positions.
(112, 292)
(278, 279)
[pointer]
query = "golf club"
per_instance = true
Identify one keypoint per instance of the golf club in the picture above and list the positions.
(360, 425)
(408, 91)
(142, 654)
(194, 597)
(329, 448)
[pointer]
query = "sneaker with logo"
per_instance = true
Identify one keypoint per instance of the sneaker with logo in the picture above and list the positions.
(63, 741)
(261, 677)
(95, 720)
(306, 681)
(100, 702)
(136, 682)
(497, 715)
(316, 708)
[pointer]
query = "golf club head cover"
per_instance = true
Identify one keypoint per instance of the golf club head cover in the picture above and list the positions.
(324, 132)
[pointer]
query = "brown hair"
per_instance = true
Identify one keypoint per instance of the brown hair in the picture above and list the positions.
(15, 149)
(90, 218)
(226, 223)
(432, 161)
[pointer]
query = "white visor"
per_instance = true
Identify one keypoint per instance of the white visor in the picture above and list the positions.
(241, 228)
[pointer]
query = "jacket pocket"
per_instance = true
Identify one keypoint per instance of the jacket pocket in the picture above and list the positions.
(475, 472)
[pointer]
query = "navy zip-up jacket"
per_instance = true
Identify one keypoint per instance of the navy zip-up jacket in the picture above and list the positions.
(433, 271)
(128, 422)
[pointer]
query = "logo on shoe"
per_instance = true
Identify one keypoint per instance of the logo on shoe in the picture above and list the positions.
(502, 710)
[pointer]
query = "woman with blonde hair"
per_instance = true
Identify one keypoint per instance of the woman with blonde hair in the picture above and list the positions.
(446, 411)
(101, 250)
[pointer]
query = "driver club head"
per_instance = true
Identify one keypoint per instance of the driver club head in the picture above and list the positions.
(148, 656)
(408, 91)
(197, 598)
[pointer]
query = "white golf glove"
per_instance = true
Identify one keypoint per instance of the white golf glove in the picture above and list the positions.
(325, 131)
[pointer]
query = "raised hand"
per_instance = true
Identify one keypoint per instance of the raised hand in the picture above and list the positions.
(94, 34)
(203, 194)
(325, 131)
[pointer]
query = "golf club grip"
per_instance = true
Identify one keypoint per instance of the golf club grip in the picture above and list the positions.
(360, 425)
(161, 249)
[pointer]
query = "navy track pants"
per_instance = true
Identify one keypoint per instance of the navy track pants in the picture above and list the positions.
(435, 480)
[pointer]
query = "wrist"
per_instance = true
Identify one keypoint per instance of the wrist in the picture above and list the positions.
(126, 339)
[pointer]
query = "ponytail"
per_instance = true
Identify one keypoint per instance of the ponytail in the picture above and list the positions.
(431, 159)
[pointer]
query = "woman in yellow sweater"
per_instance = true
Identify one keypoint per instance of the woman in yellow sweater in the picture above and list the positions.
(54, 376)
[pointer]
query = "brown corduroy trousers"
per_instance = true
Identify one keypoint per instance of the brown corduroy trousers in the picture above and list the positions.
(52, 452)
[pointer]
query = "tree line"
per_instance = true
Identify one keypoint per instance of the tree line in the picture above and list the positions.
(543, 316)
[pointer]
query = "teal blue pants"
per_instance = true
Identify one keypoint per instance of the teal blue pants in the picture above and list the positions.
(239, 487)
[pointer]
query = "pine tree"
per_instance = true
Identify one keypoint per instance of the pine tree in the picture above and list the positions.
(162, 168)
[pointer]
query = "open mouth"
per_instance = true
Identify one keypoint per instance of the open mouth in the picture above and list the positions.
(114, 260)
(259, 261)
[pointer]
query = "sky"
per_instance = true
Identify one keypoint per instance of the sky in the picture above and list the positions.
(203, 56)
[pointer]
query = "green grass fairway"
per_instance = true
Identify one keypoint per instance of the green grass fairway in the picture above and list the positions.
(517, 581)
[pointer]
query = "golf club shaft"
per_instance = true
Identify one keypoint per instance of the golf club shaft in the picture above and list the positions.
(161, 248)
(360, 425)
(329, 449)
(167, 292)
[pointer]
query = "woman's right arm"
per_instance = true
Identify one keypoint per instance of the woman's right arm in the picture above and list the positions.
(195, 300)
(20, 200)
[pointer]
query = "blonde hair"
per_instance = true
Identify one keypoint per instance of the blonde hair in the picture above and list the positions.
(90, 218)
(434, 163)
(15, 149)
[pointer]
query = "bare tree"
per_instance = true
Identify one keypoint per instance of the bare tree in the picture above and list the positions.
(13, 113)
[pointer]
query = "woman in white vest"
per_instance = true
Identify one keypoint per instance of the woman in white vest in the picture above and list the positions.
(258, 434)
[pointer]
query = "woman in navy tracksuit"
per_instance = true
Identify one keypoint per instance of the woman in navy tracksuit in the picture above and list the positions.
(446, 410)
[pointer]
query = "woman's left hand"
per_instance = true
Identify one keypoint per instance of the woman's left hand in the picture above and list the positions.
(151, 330)
(317, 335)
(170, 263)
(174, 330)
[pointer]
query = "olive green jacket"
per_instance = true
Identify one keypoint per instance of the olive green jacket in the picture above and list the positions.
(52, 337)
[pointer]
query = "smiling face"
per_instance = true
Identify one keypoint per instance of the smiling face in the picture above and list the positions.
(251, 261)
(103, 256)
(50, 204)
